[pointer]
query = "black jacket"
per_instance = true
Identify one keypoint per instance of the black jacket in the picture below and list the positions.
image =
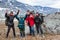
(9, 19)
(26, 16)
(37, 20)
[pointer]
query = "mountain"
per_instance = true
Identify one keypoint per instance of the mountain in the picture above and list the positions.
(46, 10)
(15, 5)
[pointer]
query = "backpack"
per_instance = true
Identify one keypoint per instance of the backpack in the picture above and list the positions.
(6, 22)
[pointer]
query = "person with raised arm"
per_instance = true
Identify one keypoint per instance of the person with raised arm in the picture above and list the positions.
(10, 22)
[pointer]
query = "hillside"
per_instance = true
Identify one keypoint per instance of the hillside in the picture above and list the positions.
(52, 22)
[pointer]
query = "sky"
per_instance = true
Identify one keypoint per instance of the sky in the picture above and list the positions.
(44, 3)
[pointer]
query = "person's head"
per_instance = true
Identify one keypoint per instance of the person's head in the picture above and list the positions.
(21, 16)
(37, 14)
(11, 13)
(31, 14)
(28, 12)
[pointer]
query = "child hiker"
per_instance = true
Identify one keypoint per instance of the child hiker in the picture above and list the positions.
(21, 25)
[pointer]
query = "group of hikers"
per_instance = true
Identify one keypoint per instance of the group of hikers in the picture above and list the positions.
(30, 19)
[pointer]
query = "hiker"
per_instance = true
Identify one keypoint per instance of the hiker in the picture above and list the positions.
(9, 22)
(27, 15)
(30, 20)
(38, 23)
(21, 25)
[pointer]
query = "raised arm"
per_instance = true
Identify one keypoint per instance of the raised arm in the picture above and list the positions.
(17, 17)
(17, 13)
(6, 15)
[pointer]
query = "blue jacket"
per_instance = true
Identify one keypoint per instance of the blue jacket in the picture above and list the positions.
(21, 22)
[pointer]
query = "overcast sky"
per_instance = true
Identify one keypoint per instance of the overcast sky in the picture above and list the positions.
(48, 3)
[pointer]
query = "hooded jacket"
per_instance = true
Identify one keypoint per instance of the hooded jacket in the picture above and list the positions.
(30, 20)
(20, 22)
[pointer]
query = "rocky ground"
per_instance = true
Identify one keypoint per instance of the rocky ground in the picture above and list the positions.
(3, 30)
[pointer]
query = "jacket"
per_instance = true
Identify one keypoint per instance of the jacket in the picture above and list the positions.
(37, 20)
(20, 22)
(9, 19)
(30, 21)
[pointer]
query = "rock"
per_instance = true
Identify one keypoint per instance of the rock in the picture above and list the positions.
(52, 23)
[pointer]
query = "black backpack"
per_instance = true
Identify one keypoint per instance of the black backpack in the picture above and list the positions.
(6, 22)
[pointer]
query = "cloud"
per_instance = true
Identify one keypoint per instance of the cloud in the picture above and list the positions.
(48, 3)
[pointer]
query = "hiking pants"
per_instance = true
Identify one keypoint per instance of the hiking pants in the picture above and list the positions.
(32, 31)
(9, 28)
(39, 29)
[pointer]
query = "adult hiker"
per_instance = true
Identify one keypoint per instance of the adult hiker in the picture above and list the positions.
(9, 22)
(30, 20)
(38, 24)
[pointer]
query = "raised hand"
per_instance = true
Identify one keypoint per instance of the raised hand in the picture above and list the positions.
(18, 11)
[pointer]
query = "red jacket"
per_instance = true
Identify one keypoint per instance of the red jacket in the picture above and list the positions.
(30, 20)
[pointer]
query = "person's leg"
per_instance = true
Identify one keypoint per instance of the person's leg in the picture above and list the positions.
(8, 31)
(20, 33)
(32, 31)
(37, 28)
(23, 32)
(42, 34)
(40, 29)
(13, 31)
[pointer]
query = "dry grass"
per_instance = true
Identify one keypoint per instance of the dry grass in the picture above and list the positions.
(3, 30)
